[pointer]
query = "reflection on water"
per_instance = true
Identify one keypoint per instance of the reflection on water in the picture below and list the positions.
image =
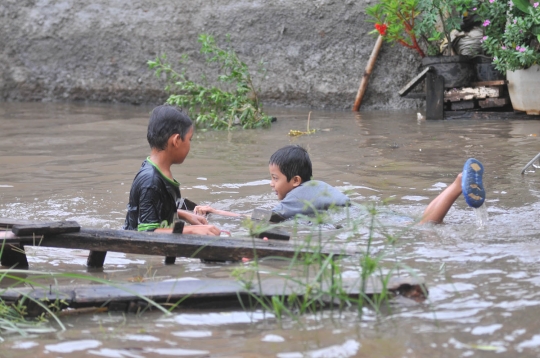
(76, 162)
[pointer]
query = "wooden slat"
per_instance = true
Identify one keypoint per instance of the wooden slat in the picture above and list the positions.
(434, 97)
(493, 102)
(461, 105)
(414, 82)
(56, 227)
(180, 245)
(218, 290)
(468, 93)
(489, 83)
(9, 223)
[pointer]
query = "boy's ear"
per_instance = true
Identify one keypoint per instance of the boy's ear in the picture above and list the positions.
(175, 138)
(296, 180)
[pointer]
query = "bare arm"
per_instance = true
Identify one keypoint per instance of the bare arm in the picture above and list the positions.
(195, 230)
(205, 210)
(192, 218)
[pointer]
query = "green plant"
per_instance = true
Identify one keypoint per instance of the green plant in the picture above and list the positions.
(395, 21)
(422, 25)
(315, 276)
(234, 102)
(512, 33)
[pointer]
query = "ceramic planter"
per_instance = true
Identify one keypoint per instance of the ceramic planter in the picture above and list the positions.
(524, 89)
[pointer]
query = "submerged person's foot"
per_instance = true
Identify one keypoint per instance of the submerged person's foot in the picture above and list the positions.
(471, 183)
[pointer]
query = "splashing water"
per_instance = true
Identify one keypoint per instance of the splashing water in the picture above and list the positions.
(481, 216)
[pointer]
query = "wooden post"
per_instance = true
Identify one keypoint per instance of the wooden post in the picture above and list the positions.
(367, 73)
(13, 255)
(434, 96)
(96, 259)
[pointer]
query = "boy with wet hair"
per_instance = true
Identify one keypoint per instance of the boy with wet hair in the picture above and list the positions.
(155, 195)
(290, 172)
(290, 178)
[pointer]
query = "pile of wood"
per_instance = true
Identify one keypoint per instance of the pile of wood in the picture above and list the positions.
(491, 94)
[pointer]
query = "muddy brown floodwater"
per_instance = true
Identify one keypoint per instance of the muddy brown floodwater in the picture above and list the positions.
(77, 161)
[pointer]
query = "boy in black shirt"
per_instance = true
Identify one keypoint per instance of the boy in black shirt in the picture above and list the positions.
(155, 195)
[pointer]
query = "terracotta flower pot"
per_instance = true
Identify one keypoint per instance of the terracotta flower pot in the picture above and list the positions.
(524, 89)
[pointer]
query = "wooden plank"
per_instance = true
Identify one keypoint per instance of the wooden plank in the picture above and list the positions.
(96, 259)
(179, 245)
(434, 96)
(468, 93)
(489, 83)
(414, 82)
(461, 105)
(9, 222)
(121, 295)
(493, 102)
(38, 229)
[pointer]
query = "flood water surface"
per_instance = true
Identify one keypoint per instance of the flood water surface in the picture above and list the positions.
(77, 162)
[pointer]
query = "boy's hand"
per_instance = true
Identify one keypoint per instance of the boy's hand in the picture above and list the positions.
(6, 235)
(203, 210)
(191, 218)
(202, 230)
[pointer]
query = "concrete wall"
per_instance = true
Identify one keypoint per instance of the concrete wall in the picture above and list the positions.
(315, 50)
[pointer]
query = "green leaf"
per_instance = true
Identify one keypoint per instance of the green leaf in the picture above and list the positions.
(522, 5)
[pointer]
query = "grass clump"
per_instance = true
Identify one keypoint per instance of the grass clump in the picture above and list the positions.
(234, 102)
(313, 277)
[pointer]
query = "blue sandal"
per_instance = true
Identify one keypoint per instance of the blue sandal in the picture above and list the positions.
(471, 183)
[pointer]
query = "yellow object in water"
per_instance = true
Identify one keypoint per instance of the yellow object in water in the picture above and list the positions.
(297, 133)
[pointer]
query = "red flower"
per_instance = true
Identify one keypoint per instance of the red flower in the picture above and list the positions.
(381, 28)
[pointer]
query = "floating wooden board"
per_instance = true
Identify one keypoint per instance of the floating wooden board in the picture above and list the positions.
(57, 227)
(120, 295)
(213, 248)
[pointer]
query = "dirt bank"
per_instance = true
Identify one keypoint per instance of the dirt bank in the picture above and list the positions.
(315, 50)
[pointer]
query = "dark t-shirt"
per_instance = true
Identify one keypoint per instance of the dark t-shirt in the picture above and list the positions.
(152, 199)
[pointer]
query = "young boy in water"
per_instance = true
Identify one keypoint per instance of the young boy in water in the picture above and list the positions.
(155, 195)
(291, 171)
(290, 178)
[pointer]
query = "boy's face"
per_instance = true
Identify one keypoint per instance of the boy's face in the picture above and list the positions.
(183, 146)
(278, 182)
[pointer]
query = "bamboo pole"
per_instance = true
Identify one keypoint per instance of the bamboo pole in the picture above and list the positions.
(367, 73)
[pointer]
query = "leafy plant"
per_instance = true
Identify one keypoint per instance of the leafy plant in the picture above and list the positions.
(234, 102)
(316, 276)
(512, 33)
(395, 21)
(421, 25)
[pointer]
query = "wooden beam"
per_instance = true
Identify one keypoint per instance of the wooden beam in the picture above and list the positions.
(121, 295)
(38, 229)
(179, 245)
(415, 81)
(493, 102)
(489, 83)
(367, 73)
(461, 105)
(434, 96)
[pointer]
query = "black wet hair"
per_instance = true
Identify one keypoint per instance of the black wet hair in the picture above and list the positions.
(165, 121)
(293, 160)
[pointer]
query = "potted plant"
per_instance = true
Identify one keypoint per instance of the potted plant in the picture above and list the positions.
(426, 27)
(512, 39)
